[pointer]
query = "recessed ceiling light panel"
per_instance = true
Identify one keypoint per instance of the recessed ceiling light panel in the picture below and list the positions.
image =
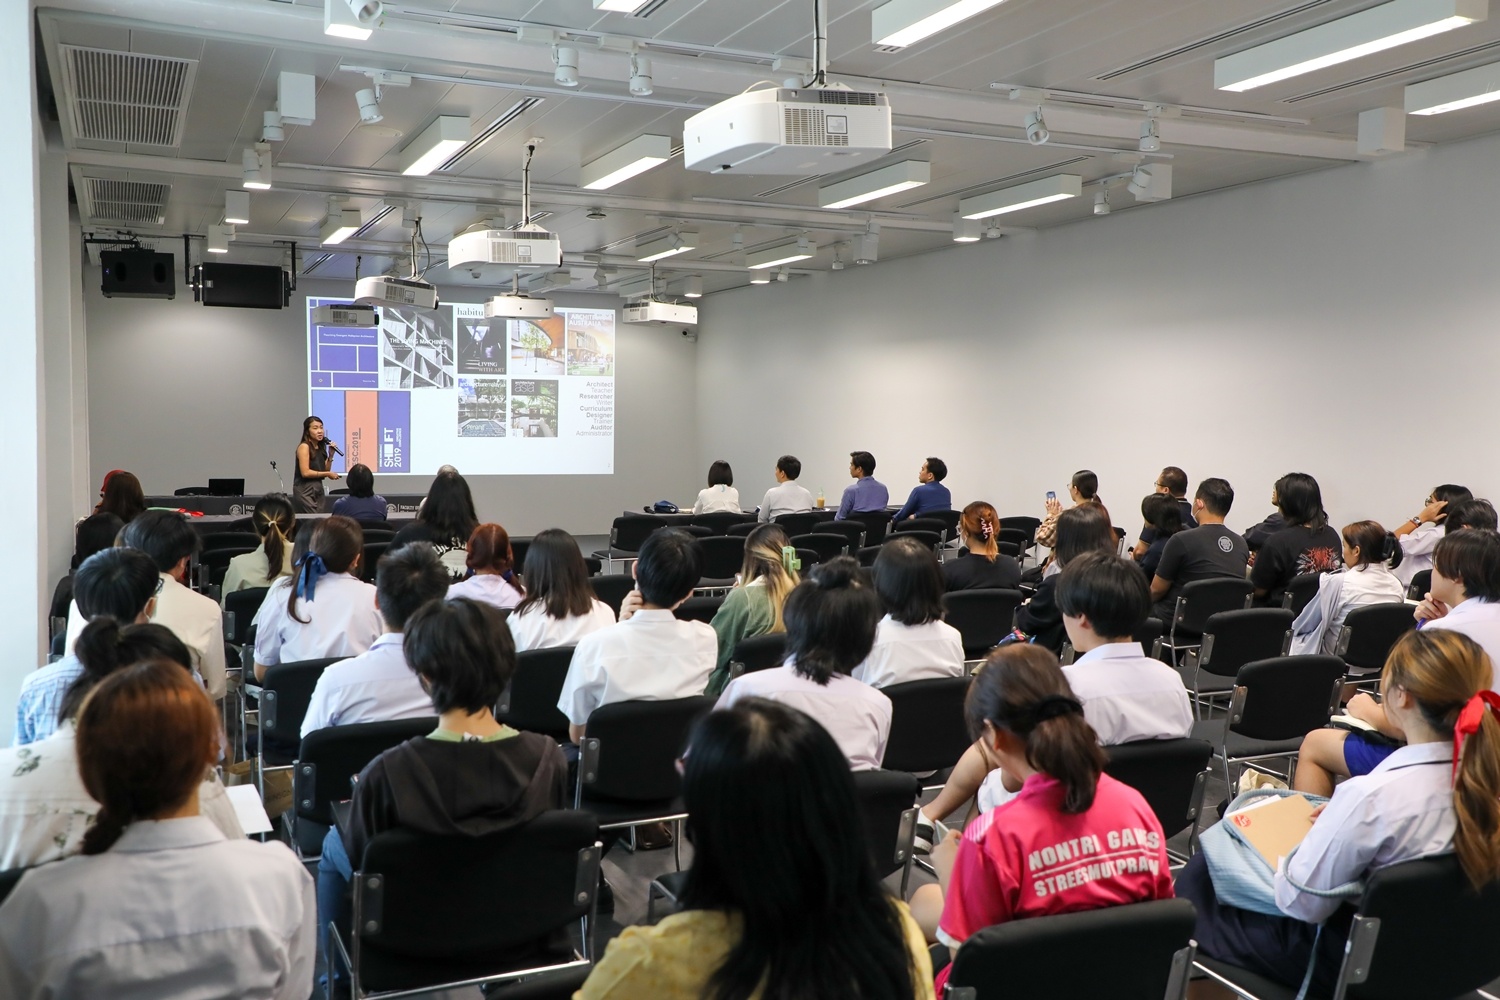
(876, 184)
(1021, 196)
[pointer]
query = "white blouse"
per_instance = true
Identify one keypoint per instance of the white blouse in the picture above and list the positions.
(343, 621)
(911, 653)
(535, 629)
(253, 569)
(717, 498)
(491, 588)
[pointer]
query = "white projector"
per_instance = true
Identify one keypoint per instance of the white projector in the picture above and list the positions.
(532, 247)
(667, 313)
(345, 316)
(517, 307)
(782, 131)
(384, 290)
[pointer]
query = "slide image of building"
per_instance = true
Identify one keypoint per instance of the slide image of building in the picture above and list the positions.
(481, 408)
(416, 349)
(537, 348)
(533, 408)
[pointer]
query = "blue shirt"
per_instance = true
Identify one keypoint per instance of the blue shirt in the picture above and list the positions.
(863, 494)
(41, 694)
(927, 496)
(372, 508)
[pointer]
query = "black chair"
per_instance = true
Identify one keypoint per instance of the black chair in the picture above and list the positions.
(612, 588)
(827, 546)
(1196, 602)
(217, 562)
(742, 529)
(1143, 951)
(983, 617)
(374, 534)
(852, 531)
(243, 605)
(799, 523)
(931, 539)
(1171, 776)
(1276, 703)
(594, 566)
(401, 941)
(698, 609)
(949, 518)
(875, 523)
(371, 560)
(1230, 640)
(1300, 591)
(626, 535)
(928, 729)
(230, 540)
(759, 652)
(283, 697)
(1421, 583)
(1147, 634)
(723, 556)
(926, 522)
(518, 549)
(1421, 932)
(809, 558)
(1023, 523)
(1014, 536)
(720, 521)
(868, 554)
(529, 702)
(327, 760)
(1368, 635)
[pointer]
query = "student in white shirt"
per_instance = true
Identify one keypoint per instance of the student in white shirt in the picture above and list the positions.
(327, 610)
(492, 567)
(160, 902)
(1370, 553)
(378, 685)
(1420, 534)
(788, 496)
(650, 655)
(720, 494)
(1438, 793)
(559, 608)
(912, 642)
(830, 628)
(275, 522)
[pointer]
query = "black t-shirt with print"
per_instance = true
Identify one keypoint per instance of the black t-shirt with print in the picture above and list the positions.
(1294, 551)
(1207, 552)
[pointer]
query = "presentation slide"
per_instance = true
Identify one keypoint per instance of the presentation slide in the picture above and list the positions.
(427, 388)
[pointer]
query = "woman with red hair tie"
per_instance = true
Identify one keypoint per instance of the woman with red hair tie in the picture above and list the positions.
(492, 576)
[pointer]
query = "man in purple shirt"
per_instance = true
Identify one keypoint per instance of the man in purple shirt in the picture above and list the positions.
(865, 493)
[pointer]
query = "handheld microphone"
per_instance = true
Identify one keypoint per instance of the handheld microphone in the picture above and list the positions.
(335, 449)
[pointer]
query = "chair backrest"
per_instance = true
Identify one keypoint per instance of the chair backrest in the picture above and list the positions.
(1286, 697)
(719, 521)
(925, 523)
(698, 609)
(983, 616)
(875, 524)
(330, 757)
(1136, 952)
(1300, 590)
(887, 801)
(1022, 522)
(285, 694)
(1013, 536)
(1233, 638)
(1370, 632)
(1421, 583)
(529, 702)
(628, 532)
(636, 746)
(244, 604)
(1200, 599)
(230, 540)
(518, 549)
(217, 561)
(371, 560)
(722, 555)
(826, 546)
(949, 518)
(809, 558)
(797, 523)
(760, 652)
(1147, 634)
(853, 531)
(611, 588)
(1169, 774)
(868, 554)
(928, 730)
(742, 529)
(931, 539)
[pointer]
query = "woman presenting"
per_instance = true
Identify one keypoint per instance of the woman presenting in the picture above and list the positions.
(312, 468)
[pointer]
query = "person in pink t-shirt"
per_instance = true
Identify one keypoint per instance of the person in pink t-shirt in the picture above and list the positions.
(1073, 839)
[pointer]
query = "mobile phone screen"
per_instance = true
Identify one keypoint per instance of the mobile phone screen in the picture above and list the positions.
(1051, 494)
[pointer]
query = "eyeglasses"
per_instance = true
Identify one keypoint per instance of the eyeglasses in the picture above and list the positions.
(160, 582)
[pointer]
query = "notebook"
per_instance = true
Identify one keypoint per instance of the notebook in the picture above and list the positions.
(1274, 826)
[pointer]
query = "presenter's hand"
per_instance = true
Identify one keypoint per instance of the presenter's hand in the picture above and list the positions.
(333, 475)
(633, 602)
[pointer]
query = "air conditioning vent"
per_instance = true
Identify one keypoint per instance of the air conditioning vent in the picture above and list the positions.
(809, 127)
(135, 203)
(1221, 36)
(846, 97)
(125, 98)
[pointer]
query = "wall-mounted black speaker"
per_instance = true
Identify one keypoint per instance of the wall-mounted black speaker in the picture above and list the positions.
(138, 274)
(242, 286)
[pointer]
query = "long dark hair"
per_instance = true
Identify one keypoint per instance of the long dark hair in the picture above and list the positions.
(777, 839)
(830, 620)
(275, 521)
(909, 582)
(1085, 528)
(556, 576)
(123, 497)
(95, 533)
(307, 437)
(1301, 501)
(105, 646)
(449, 509)
(338, 542)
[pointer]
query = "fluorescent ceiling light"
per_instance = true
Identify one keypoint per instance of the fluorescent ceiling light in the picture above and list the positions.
(620, 6)
(667, 246)
(1013, 199)
(905, 22)
(635, 157)
(1373, 30)
(1457, 90)
(354, 19)
(965, 230)
(218, 238)
(431, 149)
(237, 208)
(341, 224)
(901, 176)
(256, 165)
(775, 256)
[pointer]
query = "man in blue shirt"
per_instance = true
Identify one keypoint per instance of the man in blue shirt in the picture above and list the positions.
(930, 493)
(865, 493)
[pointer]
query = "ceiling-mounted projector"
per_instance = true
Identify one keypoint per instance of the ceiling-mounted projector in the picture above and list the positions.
(782, 131)
(531, 246)
(667, 313)
(384, 290)
(346, 316)
(517, 307)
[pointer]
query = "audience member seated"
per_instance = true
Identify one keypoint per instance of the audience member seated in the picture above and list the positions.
(493, 567)
(1084, 528)
(44, 808)
(197, 620)
(1436, 794)
(378, 685)
(720, 494)
(362, 502)
(341, 614)
(650, 655)
(912, 642)
(446, 519)
(930, 493)
(122, 496)
(1084, 489)
(754, 606)
(160, 903)
(94, 533)
(559, 608)
(1370, 553)
(866, 493)
(757, 918)
(1026, 716)
(471, 776)
(1471, 514)
(1420, 534)
(830, 629)
(1307, 544)
(1206, 552)
(275, 522)
(788, 496)
(1163, 520)
(980, 564)
(1172, 482)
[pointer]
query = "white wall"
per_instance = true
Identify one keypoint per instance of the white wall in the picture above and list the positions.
(179, 392)
(1340, 323)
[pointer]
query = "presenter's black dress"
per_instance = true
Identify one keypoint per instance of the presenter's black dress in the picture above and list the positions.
(307, 494)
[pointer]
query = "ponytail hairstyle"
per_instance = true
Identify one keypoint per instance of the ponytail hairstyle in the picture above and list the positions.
(830, 620)
(147, 735)
(765, 559)
(980, 525)
(1449, 676)
(335, 545)
(490, 552)
(275, 521)
(1375, 544)
(105, 646)
(1022, 690)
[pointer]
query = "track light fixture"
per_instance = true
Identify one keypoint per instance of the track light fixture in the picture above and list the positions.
(256, 166)
(965, 230)
(1101, 201)
(992, 231)
(1036, 128)
(1152, 182)
(218, 239)
(369, 105)
(237, 208)
(760, 277)
(565, 58)
(783, 273)
(270, 127)
(640, 75)
(356, 19)
(692, 286)
(1150, 137)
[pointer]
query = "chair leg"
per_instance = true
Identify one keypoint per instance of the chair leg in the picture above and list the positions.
(677, 844)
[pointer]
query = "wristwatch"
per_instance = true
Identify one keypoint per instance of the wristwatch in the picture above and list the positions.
(1417, 520)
